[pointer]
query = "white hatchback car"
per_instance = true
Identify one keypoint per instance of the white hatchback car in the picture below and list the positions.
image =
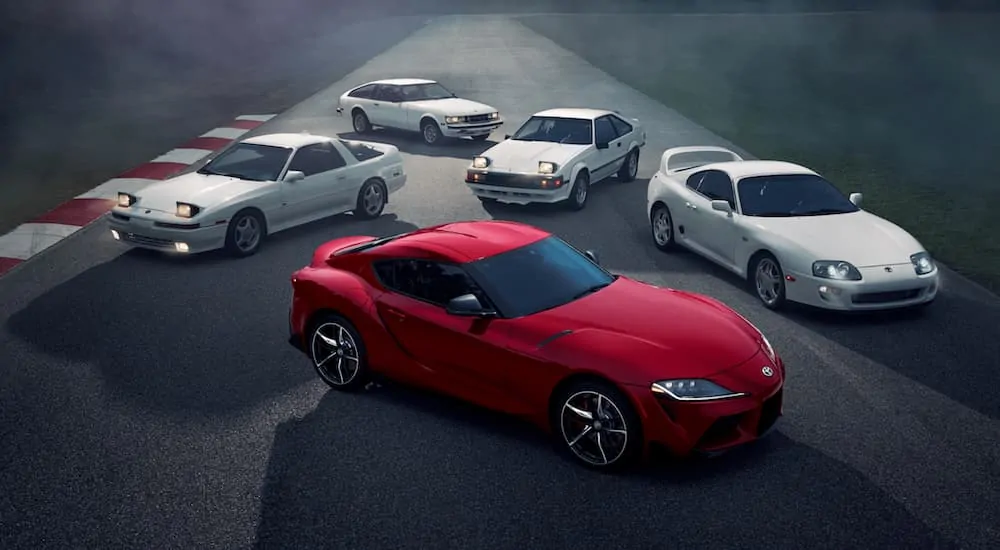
(788, 231)
(556, 156)
(418, 105)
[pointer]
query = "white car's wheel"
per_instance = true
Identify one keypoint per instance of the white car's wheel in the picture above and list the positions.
(630, 167)
(661, 224)
(430, 132)
(768, 280)
(361, 122)
(371, 200)
(246, 233)
(581, 189)
(338, 353)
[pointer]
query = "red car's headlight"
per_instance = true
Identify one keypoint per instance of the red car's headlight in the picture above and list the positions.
(693, 390)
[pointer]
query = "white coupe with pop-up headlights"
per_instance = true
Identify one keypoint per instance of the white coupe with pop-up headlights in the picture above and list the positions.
(418, 105)
(556, 156)
(258, 187)
(791, 233)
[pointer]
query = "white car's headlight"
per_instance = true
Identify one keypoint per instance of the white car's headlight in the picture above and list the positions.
(547, 167)
(836, 269)
(693, 390)
(922, 263)
(454, 119)
(125, 200)
(185, 210)
(494, 116)
(480, 162)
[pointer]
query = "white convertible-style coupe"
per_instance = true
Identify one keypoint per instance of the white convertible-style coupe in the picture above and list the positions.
(418, 105)
(556, 156)
(258, 187)
(791, 233)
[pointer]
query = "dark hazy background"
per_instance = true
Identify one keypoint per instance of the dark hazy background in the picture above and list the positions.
(903, 104)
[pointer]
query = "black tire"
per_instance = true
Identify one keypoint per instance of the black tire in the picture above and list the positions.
(621, 428)
(239, 242)
(372, 198)
(581, 190)
(630, 167)
(481, 137)
(664, 236)
(775, 297)
(353, 373)
(430, 132)
(361, 123)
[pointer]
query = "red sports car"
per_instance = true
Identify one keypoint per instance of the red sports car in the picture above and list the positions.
(512, 318)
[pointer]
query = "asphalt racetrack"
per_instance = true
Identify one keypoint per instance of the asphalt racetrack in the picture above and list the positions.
(149, 402)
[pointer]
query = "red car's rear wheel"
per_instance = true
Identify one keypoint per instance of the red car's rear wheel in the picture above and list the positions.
(338, 353)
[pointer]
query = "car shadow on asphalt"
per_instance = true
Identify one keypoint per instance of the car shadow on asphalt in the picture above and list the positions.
(393, 467)
(411, 143)
(186, 335)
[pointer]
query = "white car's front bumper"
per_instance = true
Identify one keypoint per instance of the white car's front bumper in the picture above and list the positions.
(517, 188)
(878, 289)
(470, 129)
(159, 231)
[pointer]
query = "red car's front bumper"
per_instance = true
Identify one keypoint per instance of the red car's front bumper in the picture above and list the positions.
(709, 427)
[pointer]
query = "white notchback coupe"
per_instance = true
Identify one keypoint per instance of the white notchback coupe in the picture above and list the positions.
(788, 231)
(257, 187)
(418, 105)
(556, 156)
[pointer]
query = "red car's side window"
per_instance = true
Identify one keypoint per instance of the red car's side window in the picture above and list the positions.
(434, 282)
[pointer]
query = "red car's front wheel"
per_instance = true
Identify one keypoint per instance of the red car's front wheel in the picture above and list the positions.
(595, 424)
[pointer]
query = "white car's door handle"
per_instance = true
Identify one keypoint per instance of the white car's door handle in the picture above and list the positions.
(691, 206)
(341, 178)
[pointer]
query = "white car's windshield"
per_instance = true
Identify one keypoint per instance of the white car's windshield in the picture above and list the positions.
(572, 131)
(791, 195)
(249, 161)
(425, 92)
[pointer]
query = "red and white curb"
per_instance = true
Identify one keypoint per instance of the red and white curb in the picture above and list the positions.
(28, 239)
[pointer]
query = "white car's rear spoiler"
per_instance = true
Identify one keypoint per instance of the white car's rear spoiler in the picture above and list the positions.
(669, 154)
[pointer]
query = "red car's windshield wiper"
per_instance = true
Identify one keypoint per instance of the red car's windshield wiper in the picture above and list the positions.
(590, 290)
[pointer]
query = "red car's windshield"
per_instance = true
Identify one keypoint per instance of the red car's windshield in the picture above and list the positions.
(539, 276)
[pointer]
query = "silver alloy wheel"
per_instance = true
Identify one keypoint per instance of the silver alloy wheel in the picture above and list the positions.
(431, 134)
(768, 281)
(662, 228)
(372, 199)
(247, 233)
(360, 123)
(580, 196)
(335, 354)
(633, 164)
(594, 428)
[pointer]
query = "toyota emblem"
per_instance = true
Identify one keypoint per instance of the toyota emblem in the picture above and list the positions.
(767, 371)
(888, 269)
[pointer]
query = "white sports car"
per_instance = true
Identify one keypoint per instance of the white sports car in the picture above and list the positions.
(257, 187)
(556, 156)
(788, 231)
(418, 105)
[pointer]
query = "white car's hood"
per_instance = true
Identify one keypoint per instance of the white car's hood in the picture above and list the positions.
(524, 156)
(860, 238)
(200, 190)
(452, 106)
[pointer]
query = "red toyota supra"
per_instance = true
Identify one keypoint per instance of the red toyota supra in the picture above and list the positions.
(514, 319)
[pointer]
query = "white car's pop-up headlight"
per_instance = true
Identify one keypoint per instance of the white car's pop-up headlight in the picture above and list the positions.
(922, 263)
(125, 200)
(185, 210)
(454, 119)
(693, 390)
(547, 167)
(837, 270)
(480, 162)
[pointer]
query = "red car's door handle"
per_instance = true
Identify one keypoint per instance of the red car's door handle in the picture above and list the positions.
(395, 314)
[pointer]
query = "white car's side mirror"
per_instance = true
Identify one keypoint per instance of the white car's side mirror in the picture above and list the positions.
(294, 175)
(722, 206)
(856, 199)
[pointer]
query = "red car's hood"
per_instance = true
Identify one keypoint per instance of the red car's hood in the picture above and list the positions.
(663, 332)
